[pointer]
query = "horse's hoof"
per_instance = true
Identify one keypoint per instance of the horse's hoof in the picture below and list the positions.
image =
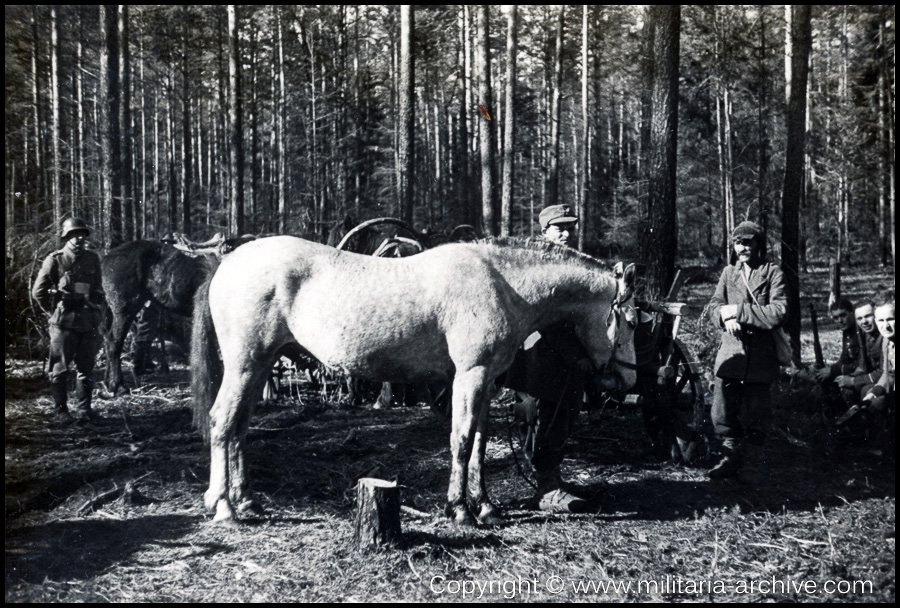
(251, 507)
(224, 512)
(489, 515)
(211, 500)
(460, 515)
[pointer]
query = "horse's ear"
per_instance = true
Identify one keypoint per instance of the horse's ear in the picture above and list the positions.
(618, 270)
(629, 275)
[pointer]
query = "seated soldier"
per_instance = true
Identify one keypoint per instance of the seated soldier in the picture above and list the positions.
(879, 400)
(842, 314)
(856, 384)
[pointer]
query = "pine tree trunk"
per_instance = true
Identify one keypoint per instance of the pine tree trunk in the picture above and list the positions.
(555, 112)
(235, 127)
(55, 134)
(279, 112)
(801, 41)
(509, 142)
(127, 198)
(659, 238)
(40, 186)
(405, 110)
(487, 134)
(187, 157)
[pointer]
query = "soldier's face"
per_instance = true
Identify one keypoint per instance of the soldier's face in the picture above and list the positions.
(77, 240)
(561, 234)
(884, 319)
(746, 248)
(843, 318)
(865, 318)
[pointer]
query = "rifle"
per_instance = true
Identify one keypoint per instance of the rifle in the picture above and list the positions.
(817, 346)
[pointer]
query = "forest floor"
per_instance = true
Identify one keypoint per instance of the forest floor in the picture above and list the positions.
(112, 511)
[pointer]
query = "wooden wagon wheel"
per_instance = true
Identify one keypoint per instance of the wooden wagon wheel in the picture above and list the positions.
(375, 222)
(675, 411)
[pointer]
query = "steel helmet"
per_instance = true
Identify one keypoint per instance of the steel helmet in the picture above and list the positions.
(71, 225)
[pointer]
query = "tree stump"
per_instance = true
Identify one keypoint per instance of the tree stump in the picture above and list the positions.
(377, 520)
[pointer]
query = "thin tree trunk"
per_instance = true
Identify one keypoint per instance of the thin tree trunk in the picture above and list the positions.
(555, 112)
(127, 196)
(406, 106)
(487, 134)
(509, 142)
(585, 133)
(171, 178)
(763, 131)
(55, 134)
(187, 157)
(235, 130)
(279, 111)
(142, 233)
(38, 131)
(465, 200)
(110, 147)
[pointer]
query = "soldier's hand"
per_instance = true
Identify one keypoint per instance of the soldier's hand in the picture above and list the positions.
(822, 374)
(733, 327)
(729, 311)
(844, 381)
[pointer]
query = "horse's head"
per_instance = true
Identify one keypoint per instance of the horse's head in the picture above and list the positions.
(620, 330)
(607, 331)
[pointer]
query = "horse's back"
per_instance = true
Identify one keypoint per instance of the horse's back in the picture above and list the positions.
(378, 318)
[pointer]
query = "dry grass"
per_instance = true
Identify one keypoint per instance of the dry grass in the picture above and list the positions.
(112, 511)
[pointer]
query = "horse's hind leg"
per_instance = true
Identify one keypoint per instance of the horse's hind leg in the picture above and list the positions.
(239, 491)
(229, 420)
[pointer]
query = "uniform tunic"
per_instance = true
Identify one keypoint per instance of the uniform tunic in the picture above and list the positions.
(68, 289)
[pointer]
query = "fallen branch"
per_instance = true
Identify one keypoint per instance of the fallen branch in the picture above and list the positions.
(110, 495)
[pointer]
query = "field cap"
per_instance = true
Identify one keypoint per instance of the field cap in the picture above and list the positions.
(747, 229)
(557, 214)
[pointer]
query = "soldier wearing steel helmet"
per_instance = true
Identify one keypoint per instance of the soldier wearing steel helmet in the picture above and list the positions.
(68, 289)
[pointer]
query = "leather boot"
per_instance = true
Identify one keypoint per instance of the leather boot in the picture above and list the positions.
(84, 388)
(553, 497)
(731, 461)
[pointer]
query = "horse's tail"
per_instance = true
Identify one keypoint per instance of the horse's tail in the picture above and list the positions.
(206, 369)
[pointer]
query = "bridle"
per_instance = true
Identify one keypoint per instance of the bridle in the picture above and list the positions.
(619, 307)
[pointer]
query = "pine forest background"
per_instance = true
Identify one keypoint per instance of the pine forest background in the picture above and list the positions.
(146, 120)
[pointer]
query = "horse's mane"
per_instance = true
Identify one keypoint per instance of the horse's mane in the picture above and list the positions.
(548, 250)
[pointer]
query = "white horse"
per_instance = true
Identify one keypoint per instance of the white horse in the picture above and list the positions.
(457, 312)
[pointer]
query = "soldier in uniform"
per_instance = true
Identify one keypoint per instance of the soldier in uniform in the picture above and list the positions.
(868, 371)
(69, 291)
(146, 330)
(549, 375)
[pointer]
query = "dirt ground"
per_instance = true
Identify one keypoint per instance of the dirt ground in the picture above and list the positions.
(112, 511)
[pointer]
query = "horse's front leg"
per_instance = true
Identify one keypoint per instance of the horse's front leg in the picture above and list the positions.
(468, 394)
(480, 504)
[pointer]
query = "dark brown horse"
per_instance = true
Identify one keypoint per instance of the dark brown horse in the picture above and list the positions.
(144, 270)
